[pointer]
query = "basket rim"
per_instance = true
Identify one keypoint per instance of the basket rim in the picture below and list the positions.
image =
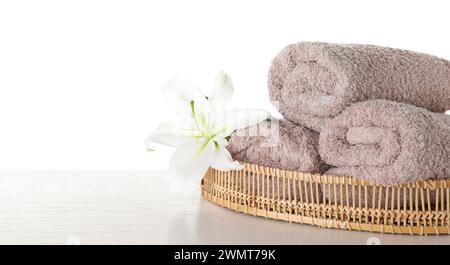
(325, 222)
(349, 202)
(338, 179)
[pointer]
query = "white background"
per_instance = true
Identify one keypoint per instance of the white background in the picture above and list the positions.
(80, 80)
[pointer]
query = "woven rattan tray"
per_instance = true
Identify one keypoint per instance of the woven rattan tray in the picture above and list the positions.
(419, 208)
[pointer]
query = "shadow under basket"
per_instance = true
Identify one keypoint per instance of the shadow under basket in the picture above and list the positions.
(418, 208)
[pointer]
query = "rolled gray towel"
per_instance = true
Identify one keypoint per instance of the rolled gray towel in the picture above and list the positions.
(387, 142)
(312, 82)
(279, 144)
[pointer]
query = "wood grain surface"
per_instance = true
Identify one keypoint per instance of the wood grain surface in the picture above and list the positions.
(135, 207)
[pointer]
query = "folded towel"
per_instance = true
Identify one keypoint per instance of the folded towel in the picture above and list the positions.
(387, 142)
(280, 144)
(313, 82)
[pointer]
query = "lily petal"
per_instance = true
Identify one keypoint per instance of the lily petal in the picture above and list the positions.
(222, 91)
(168, 133)
(181, 92)
(228, 121)
(189, 166)
(223, 160)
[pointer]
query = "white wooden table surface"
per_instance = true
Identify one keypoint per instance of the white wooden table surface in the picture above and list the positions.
(134, 207)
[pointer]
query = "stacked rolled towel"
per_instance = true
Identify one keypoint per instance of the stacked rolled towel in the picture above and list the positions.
(313, 82)
(387, 143)
(371, 112)
(277, 144)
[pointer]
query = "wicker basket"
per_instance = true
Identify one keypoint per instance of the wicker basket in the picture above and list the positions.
(419, 208)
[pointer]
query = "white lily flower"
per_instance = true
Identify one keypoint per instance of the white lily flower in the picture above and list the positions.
(202, 135)
(222, 91)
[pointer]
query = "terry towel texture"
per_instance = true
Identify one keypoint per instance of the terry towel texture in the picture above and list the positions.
(387, 142)
(279, 144)
(313, 82)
